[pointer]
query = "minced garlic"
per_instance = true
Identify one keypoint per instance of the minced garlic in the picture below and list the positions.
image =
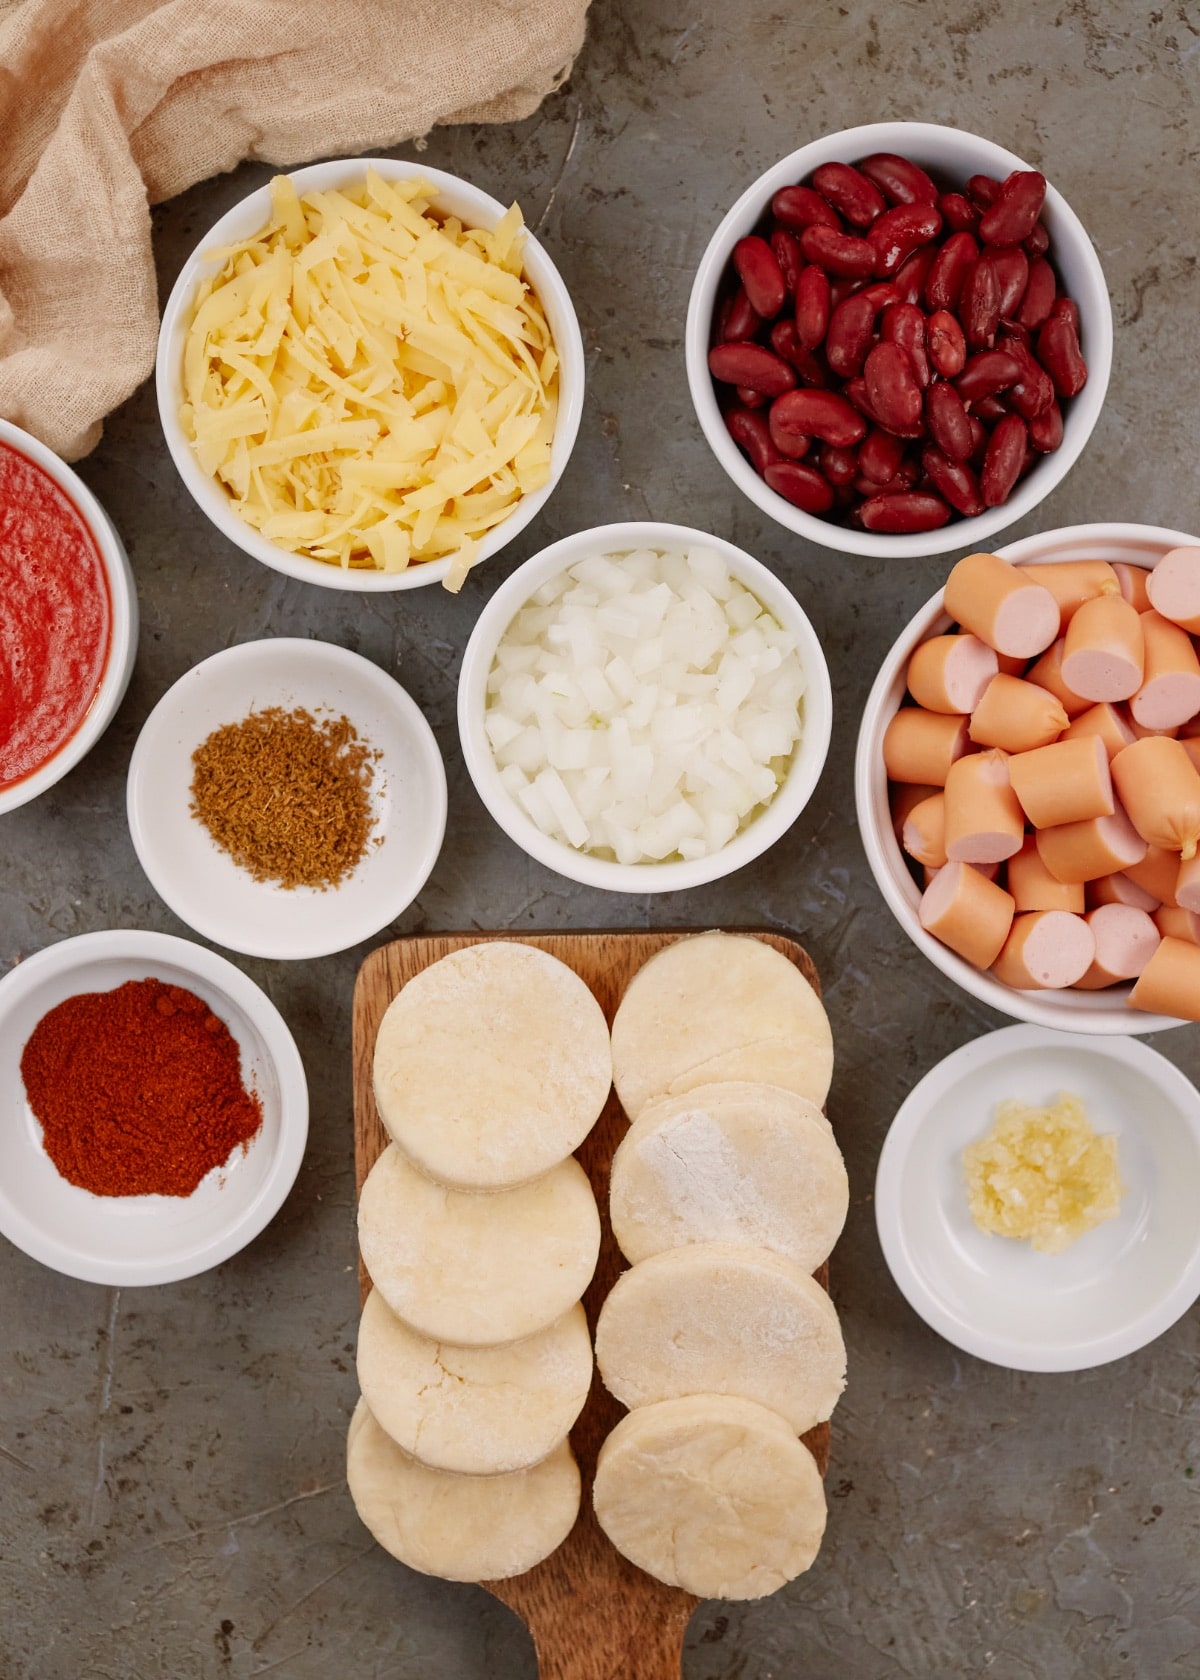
(1043, 1174)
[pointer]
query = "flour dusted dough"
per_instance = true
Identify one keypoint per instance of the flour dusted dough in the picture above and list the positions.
(735, 1163)
(477, 1269)
(719, 1319)
(712, 1494)
(463, 1528)
(492, 1065)
(476, 1410)
(714, 1007)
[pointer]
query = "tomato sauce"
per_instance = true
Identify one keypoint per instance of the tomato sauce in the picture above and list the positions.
(55, 617)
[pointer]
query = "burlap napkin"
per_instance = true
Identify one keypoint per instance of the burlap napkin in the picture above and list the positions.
(109, 106)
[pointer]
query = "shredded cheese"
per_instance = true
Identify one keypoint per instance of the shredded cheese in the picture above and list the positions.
(373, 386)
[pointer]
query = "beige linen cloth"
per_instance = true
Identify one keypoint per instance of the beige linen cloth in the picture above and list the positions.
(109, 106)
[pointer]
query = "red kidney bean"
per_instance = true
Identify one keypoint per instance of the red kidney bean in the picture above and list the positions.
(979, 306)
(850, 192)
(822, 414)
(905, 478)
(1038, 242)
(881, 293)
(739, 319)
(910, 278)
(1012, 274)
(789, 256)
(1039, 294)
(909, 511)
(856, 392)
(958, 213)
(801, 485)
(947, 346)
(983, 190)
(899, 232)
(838, 465)
(812, 307)
(1059, 353)
(838, 253)
(892, 388)
(761, 275)
(949, 271)
(801, 207)
(1034, 390)
(879, 457)
(752, 434)
(749, 398)
(904, 324)
(785, 342)
(851, 334)
(990, 409)
(1066, 309)
(979, 438)
(751, 365)
(1013, 216)
(986, 373)
(1003, 461)
(1046, 429)
(792, 444)
(954, 481)
(840, 290)
(1010, 331)
(948, 421)
(899, 179)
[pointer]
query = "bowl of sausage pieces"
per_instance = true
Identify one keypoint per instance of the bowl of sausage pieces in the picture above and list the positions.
(899, 340)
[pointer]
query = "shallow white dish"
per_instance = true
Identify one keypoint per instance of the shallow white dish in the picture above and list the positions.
(454, 197)
(124, 637)
(1116, 1288)
(796, 789)
(202, 884)
(129, 1240)
(1075, 1011)
(952, 154)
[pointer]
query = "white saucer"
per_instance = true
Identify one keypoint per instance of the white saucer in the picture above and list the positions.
(1112, 1291)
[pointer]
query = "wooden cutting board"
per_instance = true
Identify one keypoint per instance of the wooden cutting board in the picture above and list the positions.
(593, 1616)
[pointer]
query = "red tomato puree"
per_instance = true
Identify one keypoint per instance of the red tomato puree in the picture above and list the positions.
(55, 617)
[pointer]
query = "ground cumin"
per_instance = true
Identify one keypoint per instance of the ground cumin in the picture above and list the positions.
(287, 795)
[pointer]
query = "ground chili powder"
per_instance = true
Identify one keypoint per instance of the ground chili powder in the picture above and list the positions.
(138, 1091)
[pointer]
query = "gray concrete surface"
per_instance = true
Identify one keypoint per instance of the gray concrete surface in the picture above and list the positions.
(171, 1498)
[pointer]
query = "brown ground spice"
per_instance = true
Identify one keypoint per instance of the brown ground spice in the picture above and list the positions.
(287, 795)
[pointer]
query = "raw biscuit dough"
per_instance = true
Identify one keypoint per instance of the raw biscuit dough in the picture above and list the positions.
(492, 1065)
(714, 1007)
(731, 1163)
(716, 1318)
(477, 1269)
(479, 1411)
(463, 1528)
(712, 1494)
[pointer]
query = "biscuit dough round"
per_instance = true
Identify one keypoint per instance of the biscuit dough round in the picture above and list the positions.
(719, 1006)
(492, 1065)
(477, 1269)
(730, 1163)
(462, 1528)
(716, 1318)
(479, 1411)
(712, 1494)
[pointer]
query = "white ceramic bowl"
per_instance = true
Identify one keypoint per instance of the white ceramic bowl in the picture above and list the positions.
(127, 1240)
(952, 155)
(1116, 1288)
(123, 600)
(454, 197)
(1091, 1012)
(202, 884)
(796, 789)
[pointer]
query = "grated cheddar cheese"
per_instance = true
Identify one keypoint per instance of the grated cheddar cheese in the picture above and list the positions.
(373, 385)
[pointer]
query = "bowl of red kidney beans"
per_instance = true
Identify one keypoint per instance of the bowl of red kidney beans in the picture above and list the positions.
(899, 340)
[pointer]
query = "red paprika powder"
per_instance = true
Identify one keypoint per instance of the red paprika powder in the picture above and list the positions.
(138, 1091)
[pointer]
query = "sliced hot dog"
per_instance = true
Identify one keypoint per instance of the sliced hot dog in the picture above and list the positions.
(967, 912)
(1105, 721)
(1174, 588)
(1083, 851)
(1011, 665)
(1156, 873)
(949, 673)
(1160, 789)
(924, 834)
(1064, 783)
(1170, 691)
(1174, 922)
(993, 601)
(1034, 888)
(1047, 674)
(1187, 884)
(1192, 748)
(1103, 658)
(920, 746)
(905, 797)
(1072, 582)
(1125, 938)
(1016, 715)
(1045, 950)
(1120, 889)
(1170, 982)
(1132, 580)
(984, 823)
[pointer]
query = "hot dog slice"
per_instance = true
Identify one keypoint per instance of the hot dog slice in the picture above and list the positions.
(984, 823)
(1105, 721)
(993, 601)
(905, 797)
(1125, 938)
(1120, 889)
(920, 746)
(1160, 789)
(967, 912)
(1104, 654)
(1083, 851)
(1174, 922)
(924, 834)
(1170, 982)
(1072, 582)
(1187, 884)
(1132, 580)
(1034, 888)
(1170, 691)
(1174, 588)
(1156, 873)
(1045, 950)
(1192, 748)
(949, 673)
(1012, 666)
(1017, 716)
(1047, 674)
(1064, 783)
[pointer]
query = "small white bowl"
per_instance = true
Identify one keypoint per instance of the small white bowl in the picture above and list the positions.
(796, 789)
(131, 1240)
(124, 634)
(951, 154)
(202, 883)
(454, 197)
(1116, 1288)
(1074, 1011)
